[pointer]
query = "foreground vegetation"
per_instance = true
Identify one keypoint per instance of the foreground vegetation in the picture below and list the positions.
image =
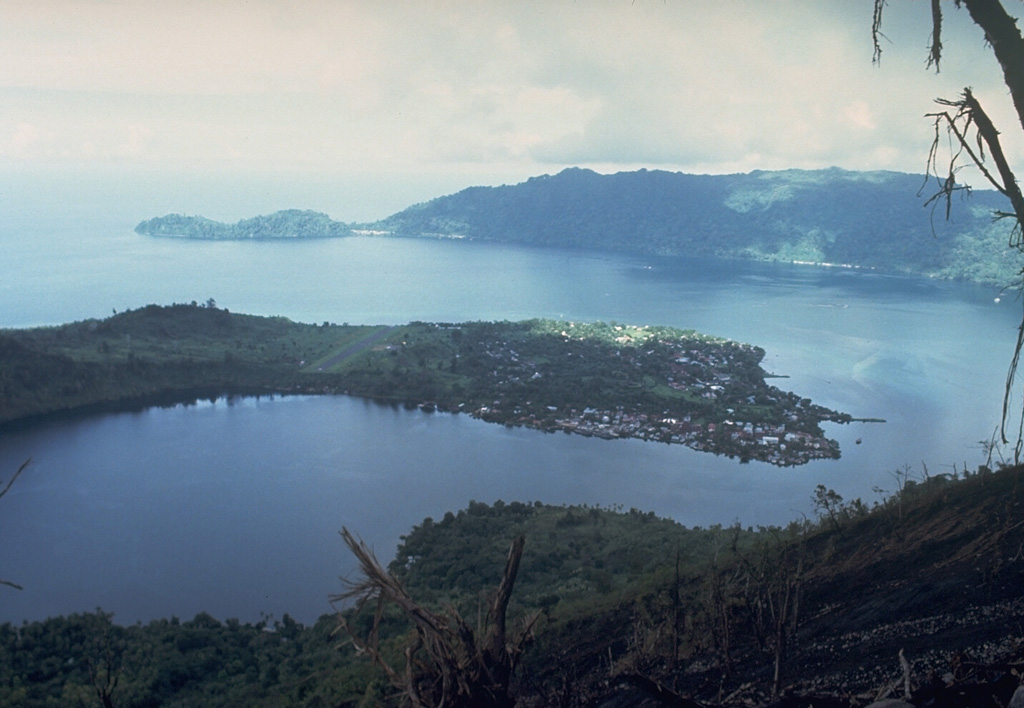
(609, 380)
(622, 604)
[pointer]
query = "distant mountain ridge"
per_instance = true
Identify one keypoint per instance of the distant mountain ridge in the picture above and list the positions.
(876, 220)
(286, 224)
(873, 220)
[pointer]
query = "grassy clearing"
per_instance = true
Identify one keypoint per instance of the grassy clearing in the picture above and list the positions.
(347, 345)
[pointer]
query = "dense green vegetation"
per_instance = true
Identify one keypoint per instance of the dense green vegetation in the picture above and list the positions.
(601, 379)
(575, 555)
(620, 594)
(875, 220)
(75, 660)
(152, 355)
(287, 224)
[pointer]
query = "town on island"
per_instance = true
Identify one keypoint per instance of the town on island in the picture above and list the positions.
(652, 383)
(598, 379)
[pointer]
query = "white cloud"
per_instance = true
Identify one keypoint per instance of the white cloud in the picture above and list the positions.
(24, 141)
(859, 115)
(136, 139)
(482, 88)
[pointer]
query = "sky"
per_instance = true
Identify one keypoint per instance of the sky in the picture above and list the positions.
(360, 108)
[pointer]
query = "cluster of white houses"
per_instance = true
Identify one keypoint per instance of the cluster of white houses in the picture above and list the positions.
(705, 370)
(748, 441)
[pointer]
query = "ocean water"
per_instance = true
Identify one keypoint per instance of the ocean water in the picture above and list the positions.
(233, 507)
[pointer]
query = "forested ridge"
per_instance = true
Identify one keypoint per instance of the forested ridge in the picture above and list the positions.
(625, 603)
(883, 221)
(876, 220)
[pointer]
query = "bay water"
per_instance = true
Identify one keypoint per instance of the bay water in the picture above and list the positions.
(233, 506)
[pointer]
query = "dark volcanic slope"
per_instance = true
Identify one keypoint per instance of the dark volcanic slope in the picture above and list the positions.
(938, 575)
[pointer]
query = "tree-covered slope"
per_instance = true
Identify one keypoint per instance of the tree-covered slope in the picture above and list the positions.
(867, 219)
(934, 570)
(574, 552)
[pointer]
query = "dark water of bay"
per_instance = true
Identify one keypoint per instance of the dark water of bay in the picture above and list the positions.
(234, 507)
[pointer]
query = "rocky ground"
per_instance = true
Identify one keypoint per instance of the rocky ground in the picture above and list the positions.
(925, 605)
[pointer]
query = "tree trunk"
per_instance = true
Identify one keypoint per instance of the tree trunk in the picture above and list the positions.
(1007, 44)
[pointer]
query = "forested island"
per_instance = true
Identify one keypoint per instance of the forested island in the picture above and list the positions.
(287, 224)
(598, 379)
(879, 221)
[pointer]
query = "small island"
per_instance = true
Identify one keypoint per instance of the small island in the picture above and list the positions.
(286, 224)
(598, 379)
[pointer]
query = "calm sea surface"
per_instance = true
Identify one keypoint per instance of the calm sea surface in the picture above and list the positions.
(233, 507)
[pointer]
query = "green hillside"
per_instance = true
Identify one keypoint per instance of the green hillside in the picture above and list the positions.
(626, 605)
(876, 220)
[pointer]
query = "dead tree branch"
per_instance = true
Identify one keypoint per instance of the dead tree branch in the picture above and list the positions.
(456, 670)
(10, 482)
(972, 133)
(935, 46)
(4, 491)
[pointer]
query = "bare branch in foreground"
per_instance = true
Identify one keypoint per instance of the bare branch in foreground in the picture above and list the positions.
(457, 671)
(4, 491)
(21, 469)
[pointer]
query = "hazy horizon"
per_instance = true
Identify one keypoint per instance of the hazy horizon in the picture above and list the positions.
(360, 110)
